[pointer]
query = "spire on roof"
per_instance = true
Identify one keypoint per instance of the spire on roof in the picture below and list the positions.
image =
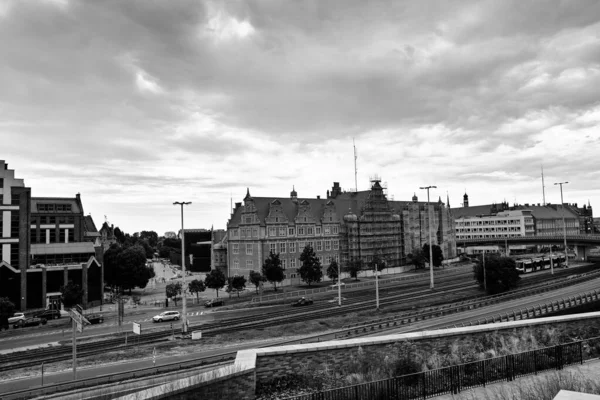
(415, 198)
(447, 200)
(440, 199)
(247, 194)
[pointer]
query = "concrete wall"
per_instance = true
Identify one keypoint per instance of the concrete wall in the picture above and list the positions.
(280, 361)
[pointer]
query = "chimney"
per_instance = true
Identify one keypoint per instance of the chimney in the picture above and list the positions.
(318, 197)
(238, 205)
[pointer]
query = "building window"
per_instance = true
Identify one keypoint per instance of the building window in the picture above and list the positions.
(255, 232)
(32, 234)
(249, 264)
(327, 245)
(14, 255)
(243, 231)
(249, 249)
(310, 231)
(248, 220)
(310, 243)
(234, 233)
(335, 229)
(14, 224)
(282, 247)
(236, 264)
(318, 230)
(284, 263)
(291, 232)
(327, 230)
(292, 247)
(293, 263)
(300, 231)
(236, 248)
(301, 246)
(319, 246)
(272, 231)
(282, 231)
(71, 235)
(14, 199)
(273, 248)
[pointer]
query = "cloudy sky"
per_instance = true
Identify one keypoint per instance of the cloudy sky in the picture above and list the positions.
(136, 104)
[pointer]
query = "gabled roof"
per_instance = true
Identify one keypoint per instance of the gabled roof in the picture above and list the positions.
(343, 203)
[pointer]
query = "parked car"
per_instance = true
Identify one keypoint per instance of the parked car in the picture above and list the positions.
(16, 318)
(32, 321)
(214, 302)
(302, 302)
(166, 316)
(48, 314)
(95, 318)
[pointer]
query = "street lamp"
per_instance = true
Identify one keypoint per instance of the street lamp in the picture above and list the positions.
(562, 204)
(430, 244)
(184, 311)
(377, 286)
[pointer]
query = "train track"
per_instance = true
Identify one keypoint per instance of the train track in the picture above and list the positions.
(323, 310)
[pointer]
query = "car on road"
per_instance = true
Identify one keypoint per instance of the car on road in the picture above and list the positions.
(32, 321)
(166, 316)
(302, 302)
(95, 318)
(214, 302)
(16, 318)
(48, 314)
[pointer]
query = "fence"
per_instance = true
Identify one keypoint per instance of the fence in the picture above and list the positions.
(452, 380)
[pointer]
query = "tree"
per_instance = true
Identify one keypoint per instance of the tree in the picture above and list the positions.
(501, 273)
(332, 270)
(436, 253)
(377, 262)
(236, 283)
(418, 258)
(148, 250)
(272, 270)
(354, 267)
(72, 294)
(256, 279)
(173, 290)
(164, 252)
(132, 271)
(150, 236)
(119, 235)
(111, 265)
(196, 286)
(311, 270)
(215, 280)
(7, 308)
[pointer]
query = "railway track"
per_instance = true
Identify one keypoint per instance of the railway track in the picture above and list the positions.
(323, 309)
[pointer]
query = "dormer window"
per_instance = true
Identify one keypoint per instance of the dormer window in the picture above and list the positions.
(248, 220)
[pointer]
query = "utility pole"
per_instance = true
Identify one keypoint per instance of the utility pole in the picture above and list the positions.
(339, 282)
(484, 273)
(430, 244)
(562, 204)
(377, 286)
(183, 288)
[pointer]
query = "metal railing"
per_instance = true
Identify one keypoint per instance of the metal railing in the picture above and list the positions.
(454, 379)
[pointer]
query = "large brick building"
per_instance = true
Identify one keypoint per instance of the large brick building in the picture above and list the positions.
(45, 243)
(343, 226)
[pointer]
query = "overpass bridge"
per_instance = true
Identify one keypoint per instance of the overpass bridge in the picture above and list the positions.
(581, 243)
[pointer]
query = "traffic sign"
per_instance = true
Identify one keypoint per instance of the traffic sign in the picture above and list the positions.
(79, 327)
(137, 328)
(76, 316)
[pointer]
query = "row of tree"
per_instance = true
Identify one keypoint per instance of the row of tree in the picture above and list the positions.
(214, 280)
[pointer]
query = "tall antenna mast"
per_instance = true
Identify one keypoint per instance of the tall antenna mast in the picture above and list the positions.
(355, 169)
(231, 203)
(543, 188)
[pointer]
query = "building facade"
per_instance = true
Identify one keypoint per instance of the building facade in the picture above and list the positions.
(343, 226)
(56, 244)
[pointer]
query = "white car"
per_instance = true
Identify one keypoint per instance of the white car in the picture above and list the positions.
(16, 318)
(166, 316)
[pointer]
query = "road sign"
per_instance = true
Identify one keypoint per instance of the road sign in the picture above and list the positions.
(78, 318)
(137, 328)
(79, 327)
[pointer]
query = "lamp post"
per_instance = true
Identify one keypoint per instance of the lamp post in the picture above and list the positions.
(377, 286)
(562, 205)
(184, 301)
(430, 244)
(339, 282)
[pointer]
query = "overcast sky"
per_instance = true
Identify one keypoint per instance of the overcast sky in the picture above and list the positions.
(136, 104)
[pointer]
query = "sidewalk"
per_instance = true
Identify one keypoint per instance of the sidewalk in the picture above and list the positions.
(547, 379)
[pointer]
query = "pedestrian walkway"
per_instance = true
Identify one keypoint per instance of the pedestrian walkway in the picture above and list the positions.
(547, 379)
